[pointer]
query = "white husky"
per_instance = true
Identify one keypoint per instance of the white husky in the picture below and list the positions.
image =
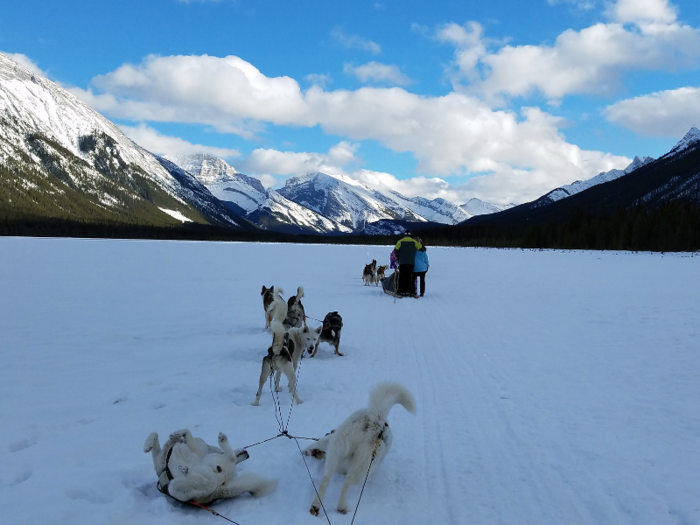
(349, 449)
(284, 355)
(190, 470)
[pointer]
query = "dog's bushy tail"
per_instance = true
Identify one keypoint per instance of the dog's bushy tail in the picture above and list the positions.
(277, 290)
(300, 294)
(385, 395)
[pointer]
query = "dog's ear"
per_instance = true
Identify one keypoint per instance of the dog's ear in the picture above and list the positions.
(319, 330)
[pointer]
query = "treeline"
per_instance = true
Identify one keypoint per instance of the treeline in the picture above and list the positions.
(673, 226)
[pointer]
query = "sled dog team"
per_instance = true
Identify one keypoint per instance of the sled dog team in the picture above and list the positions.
(373, 274)
(190, 470)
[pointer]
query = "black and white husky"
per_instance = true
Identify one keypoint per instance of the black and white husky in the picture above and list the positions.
(190, 470)
(284, 354)
(330, 332)
(296, 316)
(350, 448)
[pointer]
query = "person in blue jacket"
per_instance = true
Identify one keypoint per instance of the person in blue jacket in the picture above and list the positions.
(420, 266)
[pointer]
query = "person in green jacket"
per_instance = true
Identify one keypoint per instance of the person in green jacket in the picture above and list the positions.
(406, 249)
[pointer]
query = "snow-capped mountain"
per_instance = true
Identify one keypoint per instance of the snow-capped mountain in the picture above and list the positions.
(239, 192)
(354, 204)
(688, 141)
(62, 159)
(435, 210)
(475, 207)
(279, 213)
(579, 186)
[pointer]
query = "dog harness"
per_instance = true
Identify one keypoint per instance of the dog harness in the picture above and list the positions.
(166, 476)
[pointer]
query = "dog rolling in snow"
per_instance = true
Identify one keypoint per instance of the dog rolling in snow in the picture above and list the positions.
(284, 355)
(190, 470)
(296, 316)
(275, 306)
(369, 274)
(364, 435)
(330, 332)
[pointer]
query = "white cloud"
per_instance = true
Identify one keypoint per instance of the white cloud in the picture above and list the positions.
(643, 35)
(273, 162)
(227, 93)
(642, 12)
(319, 79)
(376, 72)
(355, 42)
(455, 134)
(150, 139)
(663, 114)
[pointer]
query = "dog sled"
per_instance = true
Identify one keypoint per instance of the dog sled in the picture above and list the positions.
(390, 285)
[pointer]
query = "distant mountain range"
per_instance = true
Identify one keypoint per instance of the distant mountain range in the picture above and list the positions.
(61, 159)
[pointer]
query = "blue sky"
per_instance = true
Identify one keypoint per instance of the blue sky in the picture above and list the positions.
(501, 100)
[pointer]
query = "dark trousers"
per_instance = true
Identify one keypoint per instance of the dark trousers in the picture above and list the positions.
(405, 278)
(420, 275)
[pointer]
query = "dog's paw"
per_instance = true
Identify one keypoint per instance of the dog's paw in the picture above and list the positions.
(342, 510)
(223, 438)
(150, 442)
(315, 453)
(278, 388)
(178, 434)
(314, 510)
(256, 403)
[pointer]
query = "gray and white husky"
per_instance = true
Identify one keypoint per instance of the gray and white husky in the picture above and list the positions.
(296, 316)
(284, 354)
(349, 449)
(190, 470)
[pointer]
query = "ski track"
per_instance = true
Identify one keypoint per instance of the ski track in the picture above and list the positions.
(551, 387)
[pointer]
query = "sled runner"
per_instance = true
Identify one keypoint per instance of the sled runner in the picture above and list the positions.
(390, 285)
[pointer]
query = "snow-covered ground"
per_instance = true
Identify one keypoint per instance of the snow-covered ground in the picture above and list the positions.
(552, 387)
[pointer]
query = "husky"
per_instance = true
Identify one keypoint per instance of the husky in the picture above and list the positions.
(380, 273)
(296, 316)
(369, 274)
(284, 355)
(275, 306)
(363, 436)
(330, 332)
(190, 470)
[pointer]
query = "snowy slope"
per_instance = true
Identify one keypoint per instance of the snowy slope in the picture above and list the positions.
(689, 140)
(278, 212)
(579, 186)
(224, 182)
(534, 406)
(47, 130)
(475, 207)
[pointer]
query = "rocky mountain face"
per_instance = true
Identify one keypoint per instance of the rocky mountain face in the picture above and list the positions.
(60, 159)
